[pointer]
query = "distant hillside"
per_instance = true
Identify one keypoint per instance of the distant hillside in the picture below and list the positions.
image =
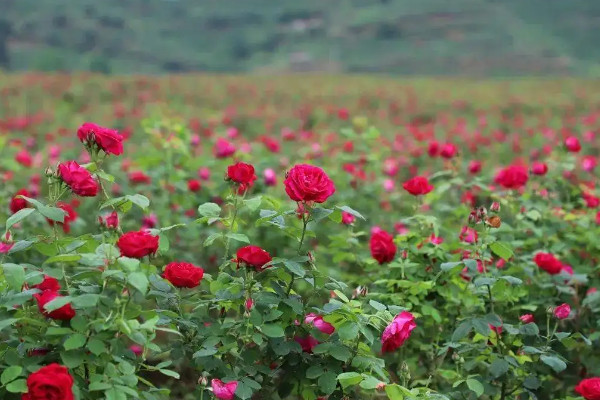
(457, 37)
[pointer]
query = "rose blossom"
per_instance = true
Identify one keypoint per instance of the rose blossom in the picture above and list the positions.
(308, 183)
(396, 333)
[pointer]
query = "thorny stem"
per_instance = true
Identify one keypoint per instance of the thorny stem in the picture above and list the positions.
(305, 220)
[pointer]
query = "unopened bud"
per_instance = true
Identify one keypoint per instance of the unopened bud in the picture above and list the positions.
(49, 172)
(473, 218)
(495, 207)
(202, 381)
(380, 386)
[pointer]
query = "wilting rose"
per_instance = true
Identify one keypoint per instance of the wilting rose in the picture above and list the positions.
(382, 246)
(79, 179)
(52, 382)
(17, 203)
(253, 256)
(548, 262)
(137, 244)
(224, 391)
(318, 322)
(396, 333)
(307, 343)
(183, 274)
(562, 311)
(512, 177)
(419, 185)
(107, 139)
(308, 183)
(49, 283)
(63, 313)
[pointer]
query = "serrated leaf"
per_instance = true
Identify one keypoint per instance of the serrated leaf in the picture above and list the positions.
(351, 211)
(462, 330)
(502, 249)
(240, 237)
(75, 341)
(139, 281)
(18, 386)
(209, 210)
(553, 362)
(475, 386)
(349, 379)
(272, 330)
(18, 217)
(15, 275)
(10, 374)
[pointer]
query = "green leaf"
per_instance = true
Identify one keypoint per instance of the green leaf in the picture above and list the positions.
(272, 330)
(20, 246)
(502, 249)
(341, 295)
(209, 210)
(139, 200)
(209, 240)
(369, 383)
(475, 387)
(462, 330)
(327, 382)
(447, 266)
(340, 352)
(319, 213)
(530, 329)
(481, 326)
(295, 268)
(314, 371)
(554, 362)
(63, 258)
(139, 281)
(348, 330)
(85, 300)
(7, 322)
(240, 237)
(18, 386)
(53, 213)
(57, 303)
(498, 367)
(95, 386)
(18, 217)
(75, 341)
(351, 211)
(72, 358)
(253, 203)
(349, 379)
(15, 275)
(394, 392)
(170, 373)
(96, 346)
(377, 305)
(10, 374)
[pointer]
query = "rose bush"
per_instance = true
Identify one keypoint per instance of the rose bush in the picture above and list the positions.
(267, 253)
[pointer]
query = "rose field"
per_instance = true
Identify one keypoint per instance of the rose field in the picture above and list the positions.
(298, 237)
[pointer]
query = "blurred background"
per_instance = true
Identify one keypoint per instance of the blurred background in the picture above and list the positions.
(424, 37)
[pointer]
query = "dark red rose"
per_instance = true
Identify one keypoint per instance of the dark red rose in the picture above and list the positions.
(418, 185)
(17, 203)
(79, 179)
(107, 139)
(396, 333)
(449, 150)
(307, 343)
(63, 313)
(253, 256)
(139, 177)
(194, 185)
(49, 283)
(589, 388)
(52, 382)
(548, 262)
(183, 274)
(243, 174)
(308, 183)
(137, 244)
(512, 177)
(382, 246)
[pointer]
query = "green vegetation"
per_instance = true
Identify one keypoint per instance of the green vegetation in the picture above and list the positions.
(441, 37)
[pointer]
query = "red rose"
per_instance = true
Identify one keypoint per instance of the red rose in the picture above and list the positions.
(253, 256)
(589, 388)
(572, 144)
(396, 333)
(223, 148)
(418, 185)
(512, 177)
(527, 318)
(110, 221)
(17, 203)
(70, 216)
(474, 166)
(347, 218)
(139, 177)
(194, 185)
(449, 150)
(137, 244)
(548, 263)
(382, 246)
(222, 390)
(52, 382)
(107, 139)
(308, 183)
(183, 274)
(307, 343)
(63, 313)
(539, 168)
(563, 311)
(243, 174)
(49, 283)
(79, 179)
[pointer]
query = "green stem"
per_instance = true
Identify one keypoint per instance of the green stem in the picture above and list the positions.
(304, 224)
